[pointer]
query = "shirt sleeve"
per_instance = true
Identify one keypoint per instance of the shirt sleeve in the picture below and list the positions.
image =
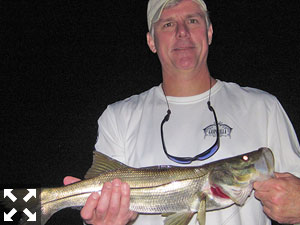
(283, 141)
(110, 138)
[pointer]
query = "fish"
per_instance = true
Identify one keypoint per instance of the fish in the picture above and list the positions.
(175, 192)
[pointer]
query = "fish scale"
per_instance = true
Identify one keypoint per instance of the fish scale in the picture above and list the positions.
(166, 198)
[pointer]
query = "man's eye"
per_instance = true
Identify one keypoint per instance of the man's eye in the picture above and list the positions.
(193, 21)
(168, 24)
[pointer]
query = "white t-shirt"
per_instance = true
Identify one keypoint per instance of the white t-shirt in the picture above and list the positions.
(129, 131)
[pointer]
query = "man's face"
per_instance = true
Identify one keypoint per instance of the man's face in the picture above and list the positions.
(181, 37)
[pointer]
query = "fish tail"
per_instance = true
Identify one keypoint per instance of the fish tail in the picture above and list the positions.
(47, 209)
(53, 201)
(43, 213)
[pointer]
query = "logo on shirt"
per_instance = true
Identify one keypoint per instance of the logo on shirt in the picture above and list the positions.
(211, 130)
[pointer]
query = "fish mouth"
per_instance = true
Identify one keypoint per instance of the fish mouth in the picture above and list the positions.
(265, 164)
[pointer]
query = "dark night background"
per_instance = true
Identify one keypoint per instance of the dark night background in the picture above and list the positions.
(63, 62)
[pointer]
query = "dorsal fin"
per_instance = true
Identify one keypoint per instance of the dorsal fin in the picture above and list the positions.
(102, 163)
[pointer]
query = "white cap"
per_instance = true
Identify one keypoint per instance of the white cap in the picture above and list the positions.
(155, 8)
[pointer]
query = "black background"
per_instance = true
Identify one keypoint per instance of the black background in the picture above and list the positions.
(63, 62)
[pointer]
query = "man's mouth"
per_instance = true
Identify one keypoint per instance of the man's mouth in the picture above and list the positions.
(183, 48)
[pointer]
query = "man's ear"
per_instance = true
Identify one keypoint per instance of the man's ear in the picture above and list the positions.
(210, 34)
(150, 42)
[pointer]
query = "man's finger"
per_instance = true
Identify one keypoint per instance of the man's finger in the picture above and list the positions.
(282, 175)
(88, 211)
(125, 200)
(265, 186)
(104, 201)
(260, 186)
(114, 206)
(70, 180)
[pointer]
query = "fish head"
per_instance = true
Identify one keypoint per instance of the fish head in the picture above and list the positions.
(233, 177)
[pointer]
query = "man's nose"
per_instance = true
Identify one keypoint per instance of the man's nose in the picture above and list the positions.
(182, 30)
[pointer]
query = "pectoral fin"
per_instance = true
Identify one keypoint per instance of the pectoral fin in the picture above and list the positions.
(201, 216)
(180, 218)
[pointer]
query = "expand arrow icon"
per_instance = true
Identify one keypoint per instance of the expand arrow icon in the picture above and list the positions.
(8, 216)
(7, 193)
(31, 193)
(31, 216)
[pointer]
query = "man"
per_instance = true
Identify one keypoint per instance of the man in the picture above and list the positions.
(180, 33)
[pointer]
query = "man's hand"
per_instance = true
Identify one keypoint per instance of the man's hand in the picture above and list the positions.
(111, 207)
(280, 197)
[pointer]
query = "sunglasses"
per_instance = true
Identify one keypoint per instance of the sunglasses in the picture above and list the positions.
(200, 157)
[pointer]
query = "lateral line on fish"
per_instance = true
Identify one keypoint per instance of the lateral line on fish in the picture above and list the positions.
(160, 185)
(64, 197)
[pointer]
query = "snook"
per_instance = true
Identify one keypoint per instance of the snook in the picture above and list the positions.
(178, 192)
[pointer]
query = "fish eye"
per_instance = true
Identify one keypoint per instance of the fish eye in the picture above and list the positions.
(245, 158)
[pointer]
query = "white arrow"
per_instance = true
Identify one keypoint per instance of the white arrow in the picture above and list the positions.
(7, 217)
(31, 193)
(31, 216)
(7, 193)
